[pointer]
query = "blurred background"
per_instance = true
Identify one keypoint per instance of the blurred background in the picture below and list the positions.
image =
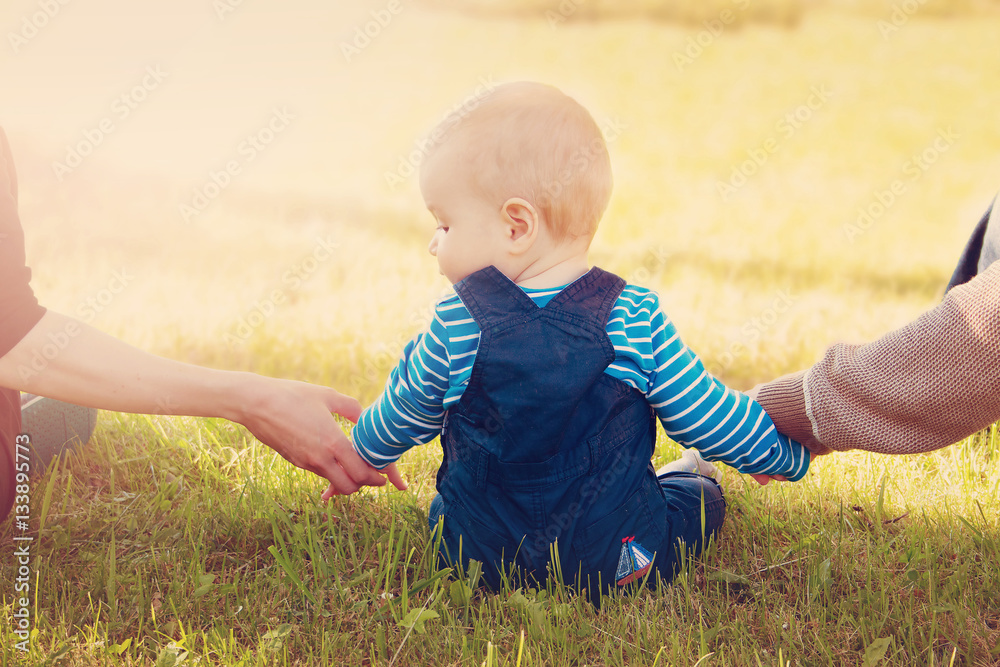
(233, 182)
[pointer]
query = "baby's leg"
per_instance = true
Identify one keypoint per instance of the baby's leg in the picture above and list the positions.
(690, 497)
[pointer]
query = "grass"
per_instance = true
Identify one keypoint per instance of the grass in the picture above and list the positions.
(182, 541)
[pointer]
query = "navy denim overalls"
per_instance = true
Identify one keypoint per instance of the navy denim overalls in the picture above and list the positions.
(545, 448)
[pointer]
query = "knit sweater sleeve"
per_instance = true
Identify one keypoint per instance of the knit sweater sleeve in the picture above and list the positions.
(19, 309)
(922, 387)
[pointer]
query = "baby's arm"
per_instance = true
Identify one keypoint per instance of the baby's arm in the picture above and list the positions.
(410, 409)
(698, 411)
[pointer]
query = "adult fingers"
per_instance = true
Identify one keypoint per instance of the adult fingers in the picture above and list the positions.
(345, 406)
(345, 459)
(393, 474)
(335, 465)
(360, 472)
(340, 482)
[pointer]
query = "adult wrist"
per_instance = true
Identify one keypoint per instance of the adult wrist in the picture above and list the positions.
(784, 400)
(239, 395)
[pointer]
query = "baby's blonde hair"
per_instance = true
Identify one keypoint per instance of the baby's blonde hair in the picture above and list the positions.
(533, 141)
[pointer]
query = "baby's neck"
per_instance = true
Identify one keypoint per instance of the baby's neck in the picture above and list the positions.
(542, 274)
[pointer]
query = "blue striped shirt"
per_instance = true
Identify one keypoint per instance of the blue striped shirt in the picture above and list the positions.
(696, 410)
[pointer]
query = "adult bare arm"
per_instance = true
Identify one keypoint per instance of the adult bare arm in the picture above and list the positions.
(70, 361)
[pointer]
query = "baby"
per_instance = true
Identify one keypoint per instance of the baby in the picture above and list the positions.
(545, 377)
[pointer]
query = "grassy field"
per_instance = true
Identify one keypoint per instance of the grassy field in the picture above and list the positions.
(742, 162)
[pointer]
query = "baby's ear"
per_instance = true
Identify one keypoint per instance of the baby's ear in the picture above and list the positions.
(522, 222)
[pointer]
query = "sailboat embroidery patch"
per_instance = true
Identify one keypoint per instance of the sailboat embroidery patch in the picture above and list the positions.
(633, 563)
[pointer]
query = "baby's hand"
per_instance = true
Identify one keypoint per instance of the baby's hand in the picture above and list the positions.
(764, 479)
(389, 471)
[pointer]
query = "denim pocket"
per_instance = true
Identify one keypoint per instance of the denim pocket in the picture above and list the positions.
(621, 547)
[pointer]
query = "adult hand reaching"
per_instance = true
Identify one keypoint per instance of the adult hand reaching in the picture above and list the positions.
(49, 354)
(294, 419)
(95, 370)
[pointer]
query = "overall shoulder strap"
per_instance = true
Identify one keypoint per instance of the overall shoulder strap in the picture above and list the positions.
(593, 296)
(490, 295)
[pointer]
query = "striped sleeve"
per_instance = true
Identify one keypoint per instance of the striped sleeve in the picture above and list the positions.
(410, 410)
(698, 411)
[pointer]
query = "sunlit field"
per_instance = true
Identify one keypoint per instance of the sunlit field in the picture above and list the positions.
(783, 186)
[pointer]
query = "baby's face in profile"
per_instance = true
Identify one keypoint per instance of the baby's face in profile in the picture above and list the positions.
(470, 235)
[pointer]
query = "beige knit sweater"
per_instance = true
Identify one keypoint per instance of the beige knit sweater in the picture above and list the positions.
(922, 387)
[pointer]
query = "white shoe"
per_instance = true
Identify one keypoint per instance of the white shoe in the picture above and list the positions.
(691, 461)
